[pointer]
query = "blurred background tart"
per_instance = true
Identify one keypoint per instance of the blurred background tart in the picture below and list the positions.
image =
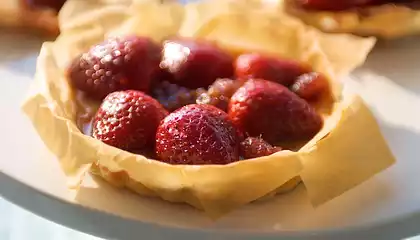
(381, 18)
(32, 16)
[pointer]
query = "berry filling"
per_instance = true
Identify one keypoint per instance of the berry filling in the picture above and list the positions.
(188, 101)
(219, 93)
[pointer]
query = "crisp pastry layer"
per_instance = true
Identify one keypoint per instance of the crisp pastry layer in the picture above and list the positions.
(385, 21)
(122, 179)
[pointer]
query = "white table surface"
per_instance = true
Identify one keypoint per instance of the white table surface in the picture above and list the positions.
(19, 224)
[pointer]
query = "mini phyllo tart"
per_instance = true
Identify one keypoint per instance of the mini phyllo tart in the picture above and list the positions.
(215, 104)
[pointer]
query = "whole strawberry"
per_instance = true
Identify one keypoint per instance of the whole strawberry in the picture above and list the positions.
(119, 63)
(195, 63)
(128, 120)
(272, 111)
(197, 134)
(254, 147)
(277, 70)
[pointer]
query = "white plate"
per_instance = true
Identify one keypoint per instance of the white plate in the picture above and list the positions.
(387, 206)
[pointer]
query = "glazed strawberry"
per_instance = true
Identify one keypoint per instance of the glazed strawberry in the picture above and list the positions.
(116, 64)
(272, 111)
(310, 85)
(197, 134)
(254, 147)
(128, 120)
(195, 63)
(277, 70)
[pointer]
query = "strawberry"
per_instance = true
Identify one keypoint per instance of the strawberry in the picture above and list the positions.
(195, 63)
(273, 69)
(128, 120)
(197, 134)
(267, 109)
(254, 147)
(310, 85)
(119, 63)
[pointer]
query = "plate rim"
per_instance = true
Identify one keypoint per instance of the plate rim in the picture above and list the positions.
(85, 219)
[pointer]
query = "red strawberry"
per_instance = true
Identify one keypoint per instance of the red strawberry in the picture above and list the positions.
(197, 134)
(116, 64)
(253, 147)
(128, 120)
(273, 69)
(195, 63)
(310, 85)
(267, 109)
